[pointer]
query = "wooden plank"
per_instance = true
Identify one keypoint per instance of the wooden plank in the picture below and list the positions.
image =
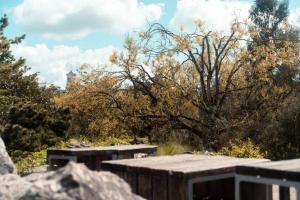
(145, 186)
(131, 179)
(119, 174)
(177, 189)
(268, 173)
(286, 169)
(181, 165)
(186, 162)
(91, 157)
(117, 149)
(159, 187)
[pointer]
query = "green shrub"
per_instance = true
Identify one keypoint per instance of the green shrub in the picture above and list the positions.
(242, 150)
(30, 127)
(99, 141)
(111, 140)
(172, 148)
(31, 160)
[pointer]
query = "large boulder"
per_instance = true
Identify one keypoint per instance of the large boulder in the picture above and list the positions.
(6, 165)
(74, 181)
(13, 186)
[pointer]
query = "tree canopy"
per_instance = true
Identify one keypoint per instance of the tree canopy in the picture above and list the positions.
(204, 86)
(28, 117)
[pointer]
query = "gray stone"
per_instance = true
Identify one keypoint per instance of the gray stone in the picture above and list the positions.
(74, 181)
(77, 145)
(6, 165)
(13, 187)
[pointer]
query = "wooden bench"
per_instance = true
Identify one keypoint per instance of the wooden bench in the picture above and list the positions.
(182, 177)
(284, 173)
(93, 156)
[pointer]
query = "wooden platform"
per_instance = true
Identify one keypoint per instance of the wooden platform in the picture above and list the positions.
(93, 156)
(285, 174)
(180, 177)
(285, 169)
(183, 165)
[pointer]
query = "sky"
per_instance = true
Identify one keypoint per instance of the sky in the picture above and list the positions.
(63, 34)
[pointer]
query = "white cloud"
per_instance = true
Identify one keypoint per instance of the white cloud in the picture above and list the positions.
(294, 17)
(216, 14)
(53, 63)
(61, 19)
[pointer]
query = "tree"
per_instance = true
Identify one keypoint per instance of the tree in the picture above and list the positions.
(268, 17)
(31, 127)
(15, 86)
(201, 85)
(91, 99)
(28, 118)
(201, 82)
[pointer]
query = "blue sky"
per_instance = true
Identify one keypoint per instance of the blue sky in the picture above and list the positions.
(62, 34)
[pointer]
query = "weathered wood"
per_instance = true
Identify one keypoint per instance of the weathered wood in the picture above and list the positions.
(92, 157)
(178, 170)
(117, 149)
(184, 165)
(159, 187)
(99, 159)
(177, 189)
(145, 186)
(287, 169)
(131, 179)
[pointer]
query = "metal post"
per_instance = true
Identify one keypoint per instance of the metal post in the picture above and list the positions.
(190, 190)
(298, 191)
(269, 191)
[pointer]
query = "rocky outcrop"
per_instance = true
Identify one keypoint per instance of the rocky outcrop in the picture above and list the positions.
(74, 181)
(13, 187)
(6, 165)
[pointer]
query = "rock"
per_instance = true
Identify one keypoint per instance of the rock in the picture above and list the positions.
(6, 165)
(13, 186)
(77, 144)
(74, 181)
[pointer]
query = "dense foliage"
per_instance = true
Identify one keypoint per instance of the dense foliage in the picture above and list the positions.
(202, 88)
(28, 118)
(235, 92)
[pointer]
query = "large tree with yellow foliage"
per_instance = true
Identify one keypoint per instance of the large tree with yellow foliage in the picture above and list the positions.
(204, 84)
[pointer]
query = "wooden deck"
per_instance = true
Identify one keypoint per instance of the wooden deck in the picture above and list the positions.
(117, 149)
(93, 156)
(285, 169)
(181, 177)
(285, 174)
(183, 165)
